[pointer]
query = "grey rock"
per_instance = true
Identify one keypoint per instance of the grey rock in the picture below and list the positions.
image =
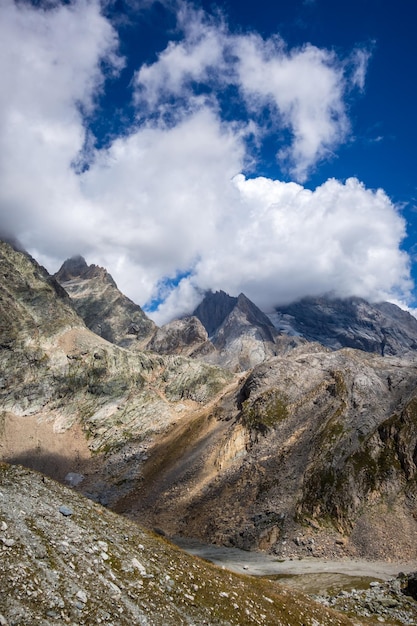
(382, 328)
(82, 596)
(8, 542)
(73, 479)
(186, 336)
(65, 511)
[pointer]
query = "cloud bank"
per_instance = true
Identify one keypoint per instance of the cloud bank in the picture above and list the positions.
(176, 205)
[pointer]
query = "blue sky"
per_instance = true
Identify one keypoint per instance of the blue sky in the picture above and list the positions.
(260, 147)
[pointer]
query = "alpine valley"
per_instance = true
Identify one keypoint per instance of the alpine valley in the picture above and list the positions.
(292, 433)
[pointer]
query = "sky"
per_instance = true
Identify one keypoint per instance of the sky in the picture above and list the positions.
(258, 147)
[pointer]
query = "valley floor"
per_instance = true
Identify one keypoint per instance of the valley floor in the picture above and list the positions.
(262, 564)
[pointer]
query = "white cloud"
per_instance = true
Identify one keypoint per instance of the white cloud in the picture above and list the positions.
(163, 193)
(285, 241)
(303, 88)
(168, 199)
(50, 70)
(360, 58)
(191, 60)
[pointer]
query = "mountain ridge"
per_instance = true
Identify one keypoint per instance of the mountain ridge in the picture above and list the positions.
(352, 322)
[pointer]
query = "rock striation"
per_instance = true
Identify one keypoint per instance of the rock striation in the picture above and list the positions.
(313, 455)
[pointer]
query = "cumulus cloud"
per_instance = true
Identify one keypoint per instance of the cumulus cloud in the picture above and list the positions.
(184, 63)
(163, 193)
(166, 207)
(51, 72)
(286, 241)
(303, 89)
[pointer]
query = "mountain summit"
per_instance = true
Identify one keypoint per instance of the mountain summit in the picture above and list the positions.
(104, 309)
(241, 333)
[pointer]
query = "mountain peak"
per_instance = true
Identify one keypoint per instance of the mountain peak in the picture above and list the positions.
(214, 309)
(76, 267)
(73, 267)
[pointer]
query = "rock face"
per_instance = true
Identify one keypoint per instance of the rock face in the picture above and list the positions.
(104, 309)
(32, 305)
(185, 336)
(93, 567)
(315, 454)
(336, 323)
(242, 335)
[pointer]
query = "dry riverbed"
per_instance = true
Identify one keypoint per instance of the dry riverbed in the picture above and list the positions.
(262, 564)
(369, 590)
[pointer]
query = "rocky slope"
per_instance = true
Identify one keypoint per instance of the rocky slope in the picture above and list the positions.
(104, 309)
(315, 454)
(310, 451)
(65, 559)
(66, 393)
(336, 323)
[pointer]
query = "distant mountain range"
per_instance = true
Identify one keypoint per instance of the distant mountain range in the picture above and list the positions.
(233, 331)
(382, 328)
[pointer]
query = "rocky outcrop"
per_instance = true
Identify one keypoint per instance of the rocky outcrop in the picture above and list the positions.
(337, 323)
(61, 382)
(104, 309)
(32, 303)
(186, 336)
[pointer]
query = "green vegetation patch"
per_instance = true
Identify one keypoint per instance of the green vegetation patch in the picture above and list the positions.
(265, 412)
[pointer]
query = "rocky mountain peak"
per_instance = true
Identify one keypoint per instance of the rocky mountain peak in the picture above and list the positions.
(214, 309)
(76, 267)
(103, 307)
(73, 267)
(241, 333)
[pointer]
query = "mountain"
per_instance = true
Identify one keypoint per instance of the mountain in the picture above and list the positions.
(69, 398)
(336, 323)
(241, 333)
(313, 454)
(306, 450)
(104, 309)
(68, 560)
